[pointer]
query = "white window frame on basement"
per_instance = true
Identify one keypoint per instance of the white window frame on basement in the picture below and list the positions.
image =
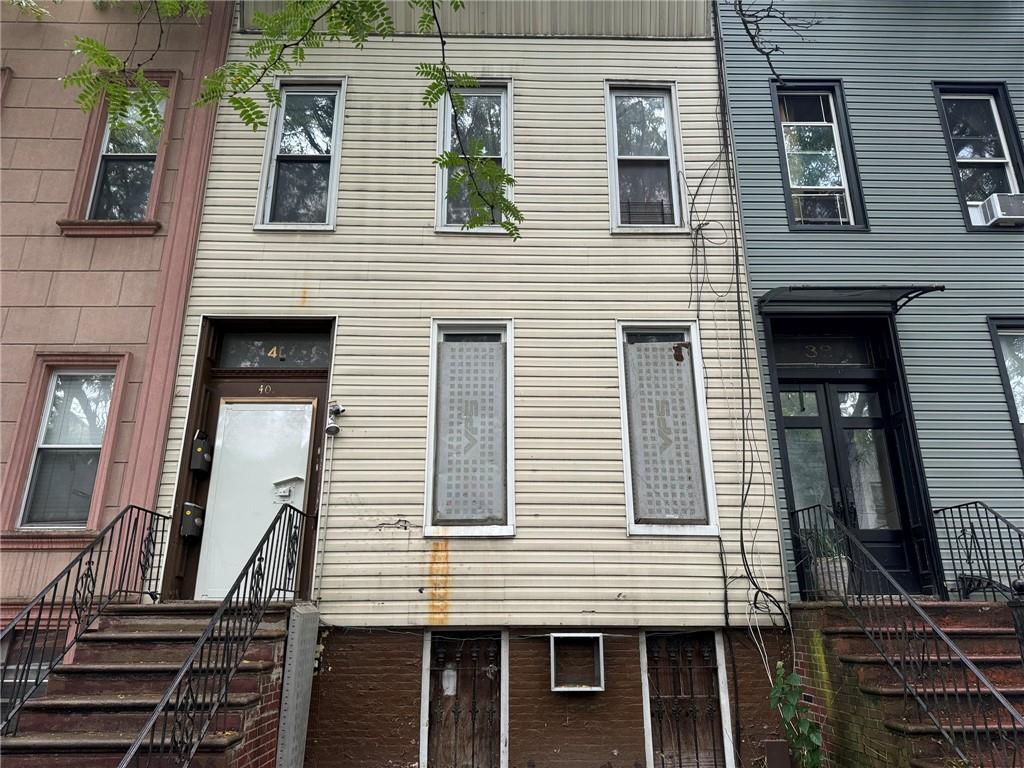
(723, 698)
(425, 698)
(489, 85)
(265, 197)
(692, 330)
(677, 165)
(438, 327)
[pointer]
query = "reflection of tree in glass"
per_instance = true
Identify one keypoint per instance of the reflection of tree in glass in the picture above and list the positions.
(641, 126)
(308, 124)
(480, 121)
(300, 191)
(980, 181)
(1013, 355)
(131, 136)
(972, 127)
(275, 350)
(123, 190)
(78, 412)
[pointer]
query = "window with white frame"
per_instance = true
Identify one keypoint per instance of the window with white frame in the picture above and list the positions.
(124, 174)
(469, 484)
(667, 461)
(977, 137)
(484, 122)
(68, 448)
(643, 157)
(819, 189)
(301, 171)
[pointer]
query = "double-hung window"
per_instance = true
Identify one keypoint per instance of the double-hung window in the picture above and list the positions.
(483, 122)
(300, 188)
(820, 179)
(124, 175)
(1008, 335)
(669, 485)
(469, 479)
(978, 133)
(644, 159)
(67, 450)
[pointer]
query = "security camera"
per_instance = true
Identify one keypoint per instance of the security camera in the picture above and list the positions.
(332, 429)
(335, 410)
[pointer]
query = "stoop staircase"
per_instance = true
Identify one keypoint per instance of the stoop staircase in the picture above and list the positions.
(99, 674)
(95, 705)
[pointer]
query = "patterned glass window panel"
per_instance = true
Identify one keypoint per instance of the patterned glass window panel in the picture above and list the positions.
(464, 716)
(686, 717)
(664, 436)
(469, 463)
(267, 349)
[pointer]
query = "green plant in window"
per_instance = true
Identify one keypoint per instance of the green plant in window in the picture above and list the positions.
(802, 733)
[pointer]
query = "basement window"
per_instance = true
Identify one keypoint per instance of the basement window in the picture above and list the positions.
(577, 662)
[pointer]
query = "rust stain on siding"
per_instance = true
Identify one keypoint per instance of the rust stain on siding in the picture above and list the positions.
(437, 611)
(303, 297)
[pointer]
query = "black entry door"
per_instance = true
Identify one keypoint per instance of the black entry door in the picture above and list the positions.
(841, 455)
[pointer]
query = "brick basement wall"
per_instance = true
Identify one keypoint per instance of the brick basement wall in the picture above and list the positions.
(259, 746)
(365, 706)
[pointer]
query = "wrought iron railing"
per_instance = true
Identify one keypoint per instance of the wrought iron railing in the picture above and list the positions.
(122, 564)
(982, 551)
(191, 707)
(952, 693)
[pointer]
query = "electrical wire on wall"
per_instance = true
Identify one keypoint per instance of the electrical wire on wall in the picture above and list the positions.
(324, 511)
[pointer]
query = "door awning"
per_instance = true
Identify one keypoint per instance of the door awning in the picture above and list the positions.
(841, 299)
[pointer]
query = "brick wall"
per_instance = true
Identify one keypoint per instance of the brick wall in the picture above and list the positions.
(365, 708)
(259, 746)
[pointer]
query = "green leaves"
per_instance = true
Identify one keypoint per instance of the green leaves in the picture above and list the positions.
(803, 734)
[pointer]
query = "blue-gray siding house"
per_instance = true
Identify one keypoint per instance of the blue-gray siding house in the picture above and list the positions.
(890, 314)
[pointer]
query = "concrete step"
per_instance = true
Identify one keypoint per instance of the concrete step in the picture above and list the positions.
(104, 750)
(983, 640)
(178, 616)
(95, 714)
(944, 613)
(140, 678)
(164, 645)
(1001, 669)
(947, 704)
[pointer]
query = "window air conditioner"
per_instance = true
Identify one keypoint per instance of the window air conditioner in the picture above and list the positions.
(1003, 209)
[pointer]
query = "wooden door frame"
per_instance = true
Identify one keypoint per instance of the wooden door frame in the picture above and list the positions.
(182, 556)
(882, 327)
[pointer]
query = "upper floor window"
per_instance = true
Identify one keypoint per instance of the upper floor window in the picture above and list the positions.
(820, 178)
(643, 158)
(301, 169)
(484, 121)
(469, 484)
(68, 446)
(124, 174)
(980, 138)
(669, 485)
(1008, 335)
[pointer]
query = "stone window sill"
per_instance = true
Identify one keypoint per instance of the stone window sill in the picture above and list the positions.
(103, 228)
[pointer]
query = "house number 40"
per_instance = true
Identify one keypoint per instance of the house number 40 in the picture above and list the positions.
(265, 389)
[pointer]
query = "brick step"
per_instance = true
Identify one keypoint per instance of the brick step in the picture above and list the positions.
(140, 678)
(946, 704)
(101, 646)
(178, 616)
(1001, 669)
(97, 714)
(947, 760)
(927, 728)
(104, 750)
(945, 614)
(984, 640)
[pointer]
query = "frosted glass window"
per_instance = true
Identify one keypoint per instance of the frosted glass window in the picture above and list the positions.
(68, 449)
(664, 434)
(469, 473)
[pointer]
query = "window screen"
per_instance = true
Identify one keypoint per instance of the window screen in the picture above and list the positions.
(664, 435)
(303, 151)
(68, 449)
(644, 156)
(125, 173)
(470, 461)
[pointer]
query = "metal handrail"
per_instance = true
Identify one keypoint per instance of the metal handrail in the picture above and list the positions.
(121, 564)
(982, 551)
(951, 692)
(190, 706)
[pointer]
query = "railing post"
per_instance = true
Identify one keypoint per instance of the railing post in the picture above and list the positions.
(1016, 604)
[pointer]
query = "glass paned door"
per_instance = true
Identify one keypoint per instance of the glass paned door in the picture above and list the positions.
(838, 457)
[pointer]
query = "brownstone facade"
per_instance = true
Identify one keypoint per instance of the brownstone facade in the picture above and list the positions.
(365, 709)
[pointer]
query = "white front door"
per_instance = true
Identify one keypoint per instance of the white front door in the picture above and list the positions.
(260, 461)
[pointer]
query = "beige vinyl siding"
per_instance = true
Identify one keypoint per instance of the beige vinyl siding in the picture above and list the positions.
(385, 273)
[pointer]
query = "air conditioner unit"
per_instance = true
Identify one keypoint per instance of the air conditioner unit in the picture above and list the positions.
(1003, 209)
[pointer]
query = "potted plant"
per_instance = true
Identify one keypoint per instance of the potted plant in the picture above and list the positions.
(829, 569)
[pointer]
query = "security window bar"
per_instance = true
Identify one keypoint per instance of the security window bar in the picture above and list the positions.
(482, 122)
(68, 449)
(977, 139)
(470, 462)
(664, 440)
(644, 152)
(304, 148)
(124, 174)
(818, 187)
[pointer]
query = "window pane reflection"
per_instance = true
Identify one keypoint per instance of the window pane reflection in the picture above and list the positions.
(871, 478)
(854, 404)
(641, 125)
(78, 409)
(308, 124)
(808, 468)
(1012, 346)
(799, 404)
